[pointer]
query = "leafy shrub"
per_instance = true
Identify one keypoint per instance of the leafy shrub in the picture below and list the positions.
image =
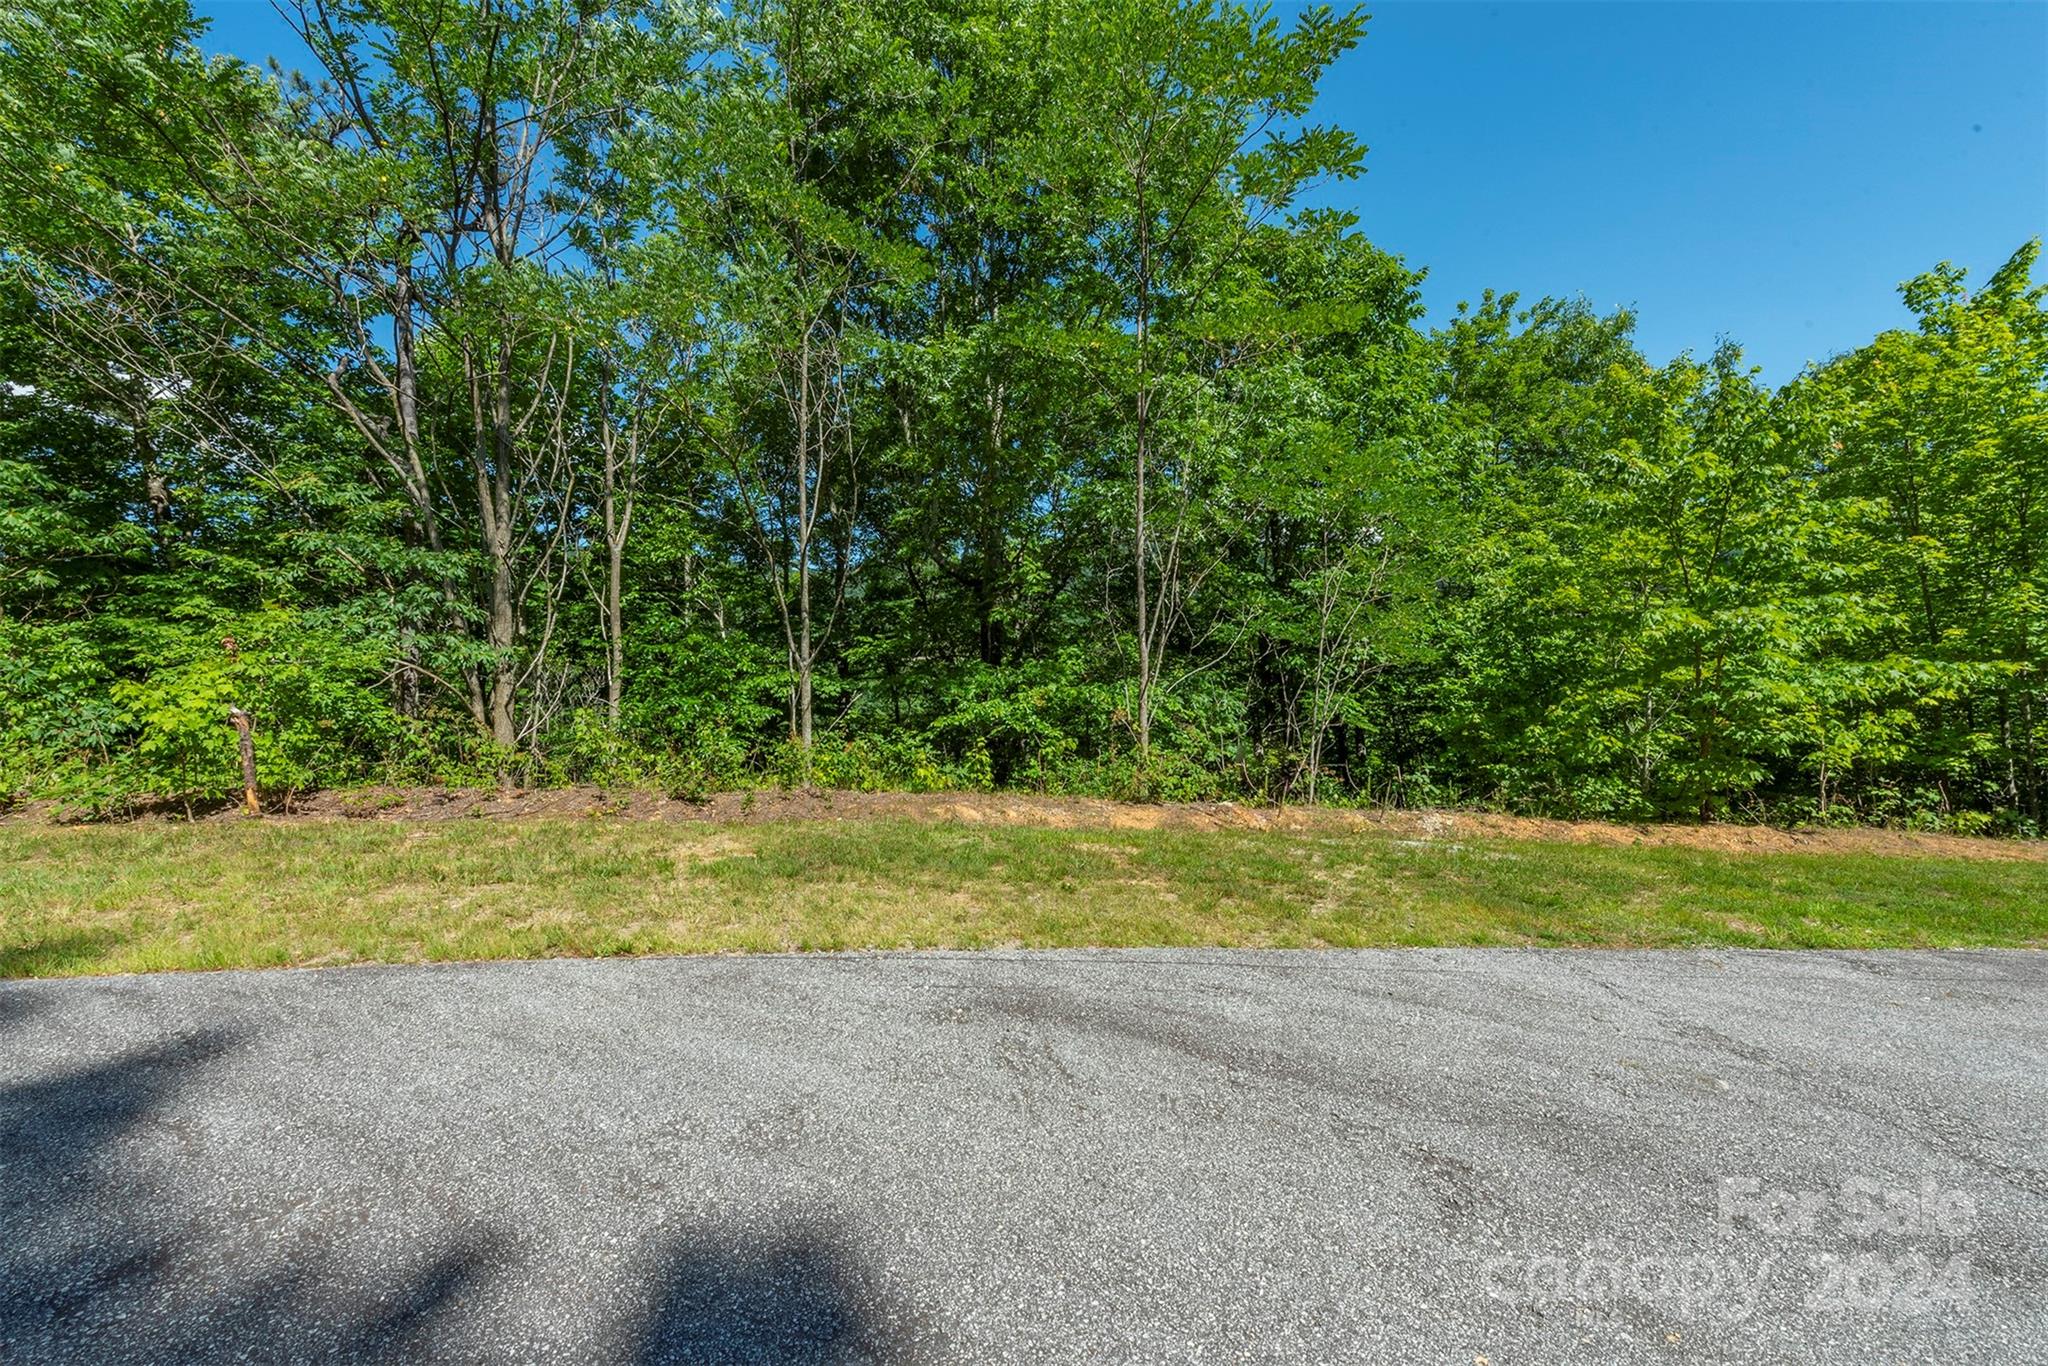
(588, 748)
(317, 721)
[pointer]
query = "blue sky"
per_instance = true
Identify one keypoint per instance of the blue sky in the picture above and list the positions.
(1757, 169)
(1764, 171)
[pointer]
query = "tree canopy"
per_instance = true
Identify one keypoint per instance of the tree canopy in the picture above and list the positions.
(868, 392)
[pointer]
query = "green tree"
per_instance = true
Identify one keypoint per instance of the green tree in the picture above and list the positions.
(1199, 135)
(1931, 444)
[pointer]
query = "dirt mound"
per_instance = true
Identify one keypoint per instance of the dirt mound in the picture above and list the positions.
(1084, 813)
(1733, 839)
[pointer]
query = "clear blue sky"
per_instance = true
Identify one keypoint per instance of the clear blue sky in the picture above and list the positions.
(1764, 171)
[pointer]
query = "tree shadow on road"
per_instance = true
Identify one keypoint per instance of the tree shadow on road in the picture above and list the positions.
(72, 1246)
(119, 1246)
(802, 1295)
(102, 1262)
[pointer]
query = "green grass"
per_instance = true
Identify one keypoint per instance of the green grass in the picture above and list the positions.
(142, 898)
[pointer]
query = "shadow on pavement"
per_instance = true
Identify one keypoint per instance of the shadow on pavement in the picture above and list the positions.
(800, 1297)
(72, 1246)
(100, 1262)
(118, 1247)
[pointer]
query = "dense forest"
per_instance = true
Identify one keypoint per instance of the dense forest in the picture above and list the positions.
(878, 392)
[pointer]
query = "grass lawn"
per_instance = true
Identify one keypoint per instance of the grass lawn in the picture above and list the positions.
(145, 897)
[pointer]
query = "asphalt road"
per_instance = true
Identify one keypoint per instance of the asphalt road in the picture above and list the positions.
(1449, 1156)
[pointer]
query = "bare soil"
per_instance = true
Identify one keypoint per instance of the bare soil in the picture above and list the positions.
(409, 804)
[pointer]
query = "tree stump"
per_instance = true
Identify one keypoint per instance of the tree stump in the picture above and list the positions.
(246, 738)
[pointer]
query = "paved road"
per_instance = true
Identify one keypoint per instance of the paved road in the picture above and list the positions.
(1403, 1157)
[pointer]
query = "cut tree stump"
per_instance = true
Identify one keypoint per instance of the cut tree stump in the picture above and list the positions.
(246, 738)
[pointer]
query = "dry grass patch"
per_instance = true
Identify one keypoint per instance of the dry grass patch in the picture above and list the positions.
(241, 894)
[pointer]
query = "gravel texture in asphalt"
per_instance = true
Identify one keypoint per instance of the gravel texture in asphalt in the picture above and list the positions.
(1421, 1156)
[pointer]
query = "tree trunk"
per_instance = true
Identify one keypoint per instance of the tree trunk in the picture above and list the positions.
(615, 615)
(806, 519)
(495, 490)
(804, 660)
(246, 740)
(421, 527)
(1139, 558)
(2033, 767)
(156, 490)
(504, 625)
(621, 474)
(1139, 555)
(618, 515)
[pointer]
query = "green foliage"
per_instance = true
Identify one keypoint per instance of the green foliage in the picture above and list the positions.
(868, 394)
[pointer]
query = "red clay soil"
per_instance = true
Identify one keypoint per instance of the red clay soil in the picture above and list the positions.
(975, 808)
